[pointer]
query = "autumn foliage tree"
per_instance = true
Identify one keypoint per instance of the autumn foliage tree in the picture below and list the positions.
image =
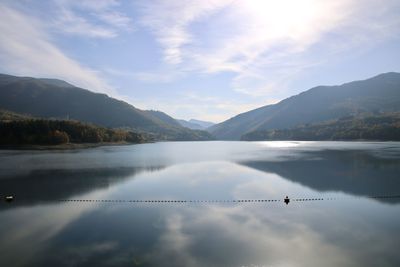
(54, 132)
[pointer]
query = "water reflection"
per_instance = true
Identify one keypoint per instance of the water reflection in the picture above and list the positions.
(356, 232)
(40, 186)
(355, 172)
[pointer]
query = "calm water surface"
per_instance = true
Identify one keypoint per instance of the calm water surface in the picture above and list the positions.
(37, 229)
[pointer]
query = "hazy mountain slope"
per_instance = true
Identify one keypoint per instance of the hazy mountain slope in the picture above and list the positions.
(195, 124)
(45, 99)
(178, 131)
(163, 117)
(204, 124)
(190, 125)
(380, 93)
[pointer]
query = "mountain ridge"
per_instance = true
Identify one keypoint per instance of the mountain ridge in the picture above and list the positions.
(47, 99)
(320, 103)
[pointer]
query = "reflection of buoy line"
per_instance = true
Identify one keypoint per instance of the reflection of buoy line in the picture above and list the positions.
(232, 201)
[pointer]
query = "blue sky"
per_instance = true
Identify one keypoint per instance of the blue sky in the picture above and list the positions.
(203, 59)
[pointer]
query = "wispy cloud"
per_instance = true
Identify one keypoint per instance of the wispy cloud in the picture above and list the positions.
(169, 20)
(258, 39)
(71, 23)
(100, 19)
(26, 49)
(116, 19)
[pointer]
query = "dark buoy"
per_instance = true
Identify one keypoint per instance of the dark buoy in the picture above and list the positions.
(9, 198)
(286, 200)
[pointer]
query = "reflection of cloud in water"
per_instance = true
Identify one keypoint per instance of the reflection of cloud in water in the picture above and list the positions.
(172, 246)
(31, 238)
(245, 236)
(29, 229)
(360, 232)
(213, 236)
(311, 234)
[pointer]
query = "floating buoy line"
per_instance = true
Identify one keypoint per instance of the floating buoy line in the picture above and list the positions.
(286, 200)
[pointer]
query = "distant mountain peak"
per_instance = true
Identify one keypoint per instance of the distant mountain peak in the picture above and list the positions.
(205, 124)
(196, 124)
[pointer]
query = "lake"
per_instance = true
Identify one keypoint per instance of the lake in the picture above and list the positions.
(111, 206)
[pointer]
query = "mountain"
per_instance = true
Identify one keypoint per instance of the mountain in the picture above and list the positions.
(163, 117)
(195, 124)
(49, 98)
(204, 124)
(378, 94)
(190, 125)
(197, 133)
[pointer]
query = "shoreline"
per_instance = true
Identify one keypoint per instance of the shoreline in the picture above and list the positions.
(68, 146)
(73, 146)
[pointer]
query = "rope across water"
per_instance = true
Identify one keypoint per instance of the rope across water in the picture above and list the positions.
(232, 201)
(286, 200)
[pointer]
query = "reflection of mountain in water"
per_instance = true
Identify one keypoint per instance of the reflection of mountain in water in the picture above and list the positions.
(53, 185)
(352, 172)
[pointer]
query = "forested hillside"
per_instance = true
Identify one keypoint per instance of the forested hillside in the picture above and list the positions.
(383, 127)
(55, 132)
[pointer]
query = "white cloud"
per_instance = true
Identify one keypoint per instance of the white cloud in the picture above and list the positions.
(100, 19)
(116, 19)
(168, 20)
(71, 23)
(25, 49)
(258, 39)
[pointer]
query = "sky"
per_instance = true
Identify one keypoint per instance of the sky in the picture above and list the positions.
(202, 59)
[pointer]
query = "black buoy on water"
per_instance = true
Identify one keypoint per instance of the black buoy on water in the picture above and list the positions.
(286, 200)
(9, 198)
